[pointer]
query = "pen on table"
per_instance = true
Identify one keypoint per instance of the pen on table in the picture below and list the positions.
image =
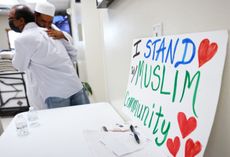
(135, 134)
(105, 128)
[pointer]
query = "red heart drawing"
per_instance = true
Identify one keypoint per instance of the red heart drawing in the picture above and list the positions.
(191, 148)
(206, 51)
(186, 126)
(173, 145)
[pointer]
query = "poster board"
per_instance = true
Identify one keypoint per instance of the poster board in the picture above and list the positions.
(173, 89)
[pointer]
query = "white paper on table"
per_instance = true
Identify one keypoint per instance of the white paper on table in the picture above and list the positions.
(113, 144)
(97, 149)
(122, 143)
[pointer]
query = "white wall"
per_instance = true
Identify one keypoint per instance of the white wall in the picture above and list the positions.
(94, 50)
(126, 20)
(76, 22)
(3, 26)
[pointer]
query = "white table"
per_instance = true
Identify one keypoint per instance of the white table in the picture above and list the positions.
(60, 133)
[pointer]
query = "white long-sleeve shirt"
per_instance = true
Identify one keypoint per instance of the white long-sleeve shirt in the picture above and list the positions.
(72, 51)
(48, 67)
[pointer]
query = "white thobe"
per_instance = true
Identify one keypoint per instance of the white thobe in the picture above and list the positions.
(72, 51)
(49, 69)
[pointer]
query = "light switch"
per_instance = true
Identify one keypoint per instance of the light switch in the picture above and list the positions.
(157, 30)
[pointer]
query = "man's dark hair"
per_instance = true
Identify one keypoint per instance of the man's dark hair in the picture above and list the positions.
(22, 11)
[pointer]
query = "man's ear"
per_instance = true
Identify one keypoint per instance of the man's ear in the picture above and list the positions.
(21, 23)
(37, 15)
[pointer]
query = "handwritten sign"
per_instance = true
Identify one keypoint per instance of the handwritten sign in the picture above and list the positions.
(173, 89)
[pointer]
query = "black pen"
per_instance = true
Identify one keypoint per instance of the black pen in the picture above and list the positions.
(135, 134)
(105, 128)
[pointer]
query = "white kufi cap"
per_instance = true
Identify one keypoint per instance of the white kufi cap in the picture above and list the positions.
(45, 8)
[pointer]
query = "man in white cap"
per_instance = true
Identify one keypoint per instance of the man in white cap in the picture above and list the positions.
(44, 13)
(48, 67)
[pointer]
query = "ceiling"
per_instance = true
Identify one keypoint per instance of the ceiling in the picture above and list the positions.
(5, 5)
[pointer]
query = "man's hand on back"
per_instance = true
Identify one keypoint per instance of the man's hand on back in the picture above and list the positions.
(55, 34)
